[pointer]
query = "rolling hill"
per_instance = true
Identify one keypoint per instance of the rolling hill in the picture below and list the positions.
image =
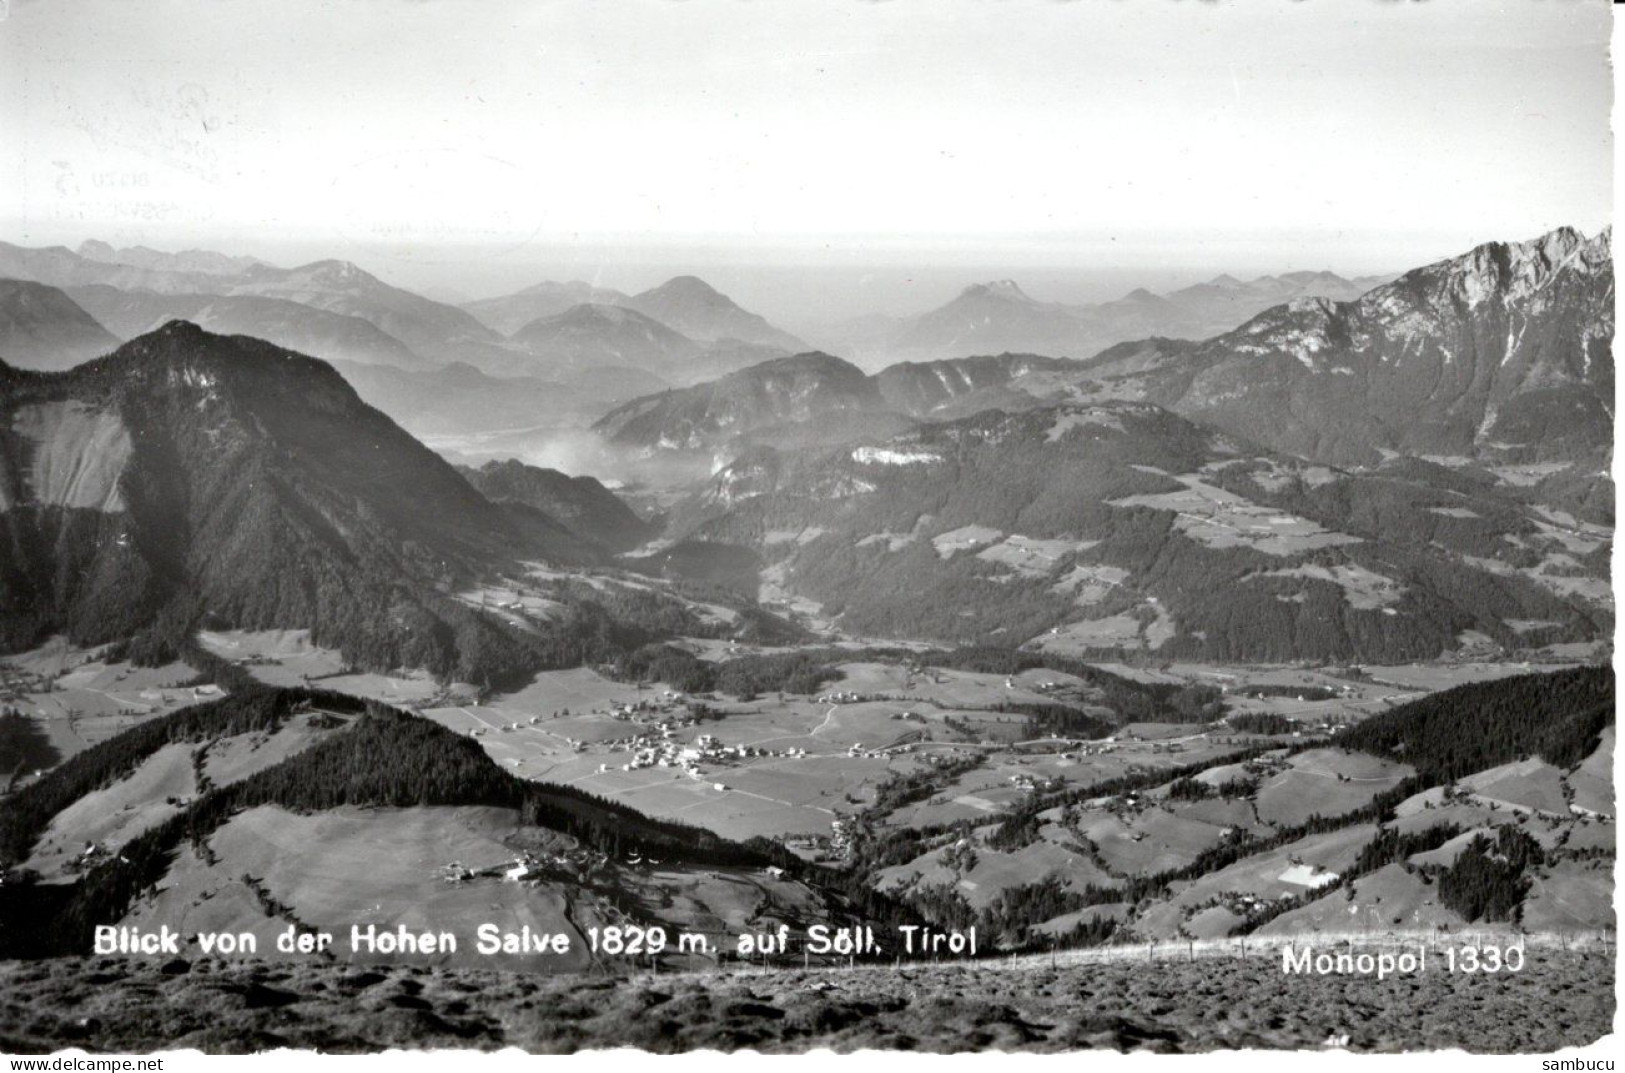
(508, 313)
(771, 395)
(1111, 527)
(987, 318)
(590, 335)
(1407, 823)
(582, 504)
(815, 399)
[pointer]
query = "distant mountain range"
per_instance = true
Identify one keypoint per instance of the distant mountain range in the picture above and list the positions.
(301, 327)
(999, 317)
(432, 331)
(591, 334)
(700, 311)
(601, 343)
(686, 304)
(1505, 351)
(684, 329)
(204, 261)
(62, 267)
(601, 337)
(510, 312)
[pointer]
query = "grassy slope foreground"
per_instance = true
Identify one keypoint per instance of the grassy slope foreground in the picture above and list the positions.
(1177, 1006)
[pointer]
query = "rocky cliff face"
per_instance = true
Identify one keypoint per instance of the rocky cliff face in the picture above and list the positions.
(1507, 349)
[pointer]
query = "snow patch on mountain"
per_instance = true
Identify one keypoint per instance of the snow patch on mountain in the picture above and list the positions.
(1071, 419)
(889, 456)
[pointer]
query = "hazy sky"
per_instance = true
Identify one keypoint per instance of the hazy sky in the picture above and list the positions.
(477, 142)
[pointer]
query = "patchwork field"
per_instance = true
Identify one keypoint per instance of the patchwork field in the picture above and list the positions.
(290, 658)
(1222, 519)
(791, 767)
(94, 827)
(1326, 782)
(77, 697)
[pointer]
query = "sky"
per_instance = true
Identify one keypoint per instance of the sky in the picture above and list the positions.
(474, 146)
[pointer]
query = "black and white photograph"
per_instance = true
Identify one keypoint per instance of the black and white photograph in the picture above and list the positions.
(1065, 527)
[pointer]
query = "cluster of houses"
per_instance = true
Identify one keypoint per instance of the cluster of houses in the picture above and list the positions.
(1245, 905)
(660, 749)
(1041, 687)
(93, 854)
(1032, 784)
(667, 703)
(671, 704)
(531, 867)
(843, 696)
(841, 833)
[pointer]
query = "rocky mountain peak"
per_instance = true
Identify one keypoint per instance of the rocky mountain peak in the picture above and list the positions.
(1006, 289)
(689, 289)
(337, 271)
